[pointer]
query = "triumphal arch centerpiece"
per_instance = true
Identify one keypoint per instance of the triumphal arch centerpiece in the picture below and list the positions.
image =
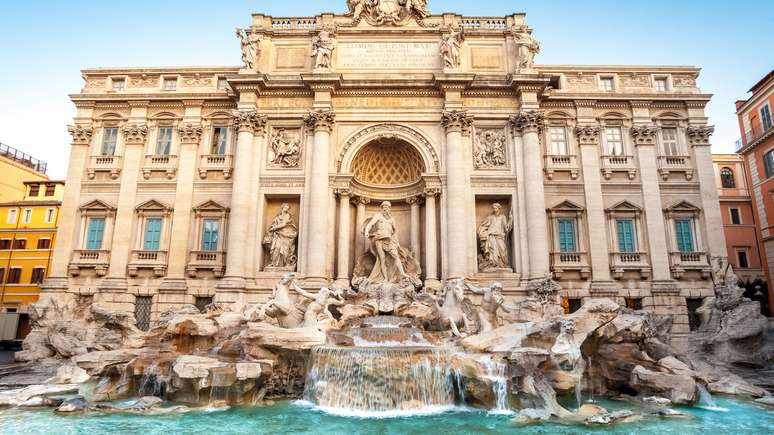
(386, 150)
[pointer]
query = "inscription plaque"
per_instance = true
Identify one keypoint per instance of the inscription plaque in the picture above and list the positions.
(389, 55)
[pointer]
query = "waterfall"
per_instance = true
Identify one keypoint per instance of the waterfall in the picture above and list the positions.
(706, 401)
(373, 380)
(496, 373)
(590, 381)
(151, 383)
(578, 393)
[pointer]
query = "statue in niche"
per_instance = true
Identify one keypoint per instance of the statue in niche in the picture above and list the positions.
(529, 47)
(286, 150)
(492, 301)
(490, 149)
(451, 45)
(280, 241)
(322, 49)
(318, 310)
(493, 240)
(251, 49)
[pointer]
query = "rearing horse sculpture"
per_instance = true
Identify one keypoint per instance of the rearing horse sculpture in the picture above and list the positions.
(453, 313)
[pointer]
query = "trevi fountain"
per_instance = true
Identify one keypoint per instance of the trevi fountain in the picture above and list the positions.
(390, 348)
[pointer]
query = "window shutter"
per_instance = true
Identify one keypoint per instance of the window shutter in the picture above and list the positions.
(95, 233)
(684, 235)
(152, 234)
(567, 235)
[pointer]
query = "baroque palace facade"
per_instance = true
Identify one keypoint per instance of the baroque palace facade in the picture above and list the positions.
(192, 185)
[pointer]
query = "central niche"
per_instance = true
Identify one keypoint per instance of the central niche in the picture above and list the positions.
(388, 162)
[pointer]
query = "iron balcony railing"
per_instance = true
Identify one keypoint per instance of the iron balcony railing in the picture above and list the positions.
(23, 158)
(755, 133)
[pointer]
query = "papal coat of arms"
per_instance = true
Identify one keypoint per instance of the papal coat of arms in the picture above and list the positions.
(390, 12)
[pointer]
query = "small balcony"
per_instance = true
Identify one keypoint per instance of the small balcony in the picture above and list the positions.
(682, 262)
(669, 164)
(216, 163)
(202, 261)
(622, 262)
(165, 164)
(148, 260)
(611, 164)
(562, 262)
(98, 260)
(561, 163)
(109, 164)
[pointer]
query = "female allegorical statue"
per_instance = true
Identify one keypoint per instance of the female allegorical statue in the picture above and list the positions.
(281, 240)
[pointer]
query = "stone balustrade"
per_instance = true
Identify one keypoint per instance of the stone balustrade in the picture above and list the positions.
(213, 261)
(611, 164)
(217, 163)
(570, 261)
(110, 164)
(621, 262)
(98, 260)
(147, 259)
(160, 163)
(561, 163)
(668, 164)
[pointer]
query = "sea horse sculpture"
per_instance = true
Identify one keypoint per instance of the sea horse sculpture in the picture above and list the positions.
(455, 312)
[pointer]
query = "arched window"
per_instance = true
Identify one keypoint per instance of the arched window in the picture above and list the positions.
(727, 178)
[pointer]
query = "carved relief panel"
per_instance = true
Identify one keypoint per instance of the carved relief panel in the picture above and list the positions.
(490, 149)
(285, 148)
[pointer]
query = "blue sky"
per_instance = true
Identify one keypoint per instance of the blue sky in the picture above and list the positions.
(45, 44)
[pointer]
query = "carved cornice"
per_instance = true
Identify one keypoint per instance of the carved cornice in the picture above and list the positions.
(457, 121)
(644, 134)
(640, 104)
(321, 120)
(700, 135)
(585, 103)
(81, 134)
(190, 133)
(135, 134)
(250, 121)
(587, 134)
(528, 121)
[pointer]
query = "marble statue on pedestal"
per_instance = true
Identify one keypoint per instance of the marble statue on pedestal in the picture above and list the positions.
(251, 50)
(280, 241)
(451, 46)
(322, 49)
(529, 47)
(493, 239)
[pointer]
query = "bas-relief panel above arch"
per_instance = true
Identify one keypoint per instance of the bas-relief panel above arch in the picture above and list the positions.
(364, 136)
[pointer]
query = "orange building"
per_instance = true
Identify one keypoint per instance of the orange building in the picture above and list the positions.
(757, 150)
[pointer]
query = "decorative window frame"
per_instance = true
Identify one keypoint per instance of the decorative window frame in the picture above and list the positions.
(684, 210)
(564, 210)
(108, 120)
(97, 209)
(153, 209)
(625, 210)
(667, 77)
(557, 162)
(209, 123)
(619, 120)
(155, 123)
(210, 210)
(613, 76)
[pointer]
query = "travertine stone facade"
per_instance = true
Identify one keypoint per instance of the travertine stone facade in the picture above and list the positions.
(605, 172)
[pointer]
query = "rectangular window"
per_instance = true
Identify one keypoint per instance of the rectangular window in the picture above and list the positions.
(109, 140)
(27, 216)
(210, 230)
(670, 143)
(50, 189)
(736, 217)
(5, 244)
(14, 275)
(558, 137)
(44, 243)
(222, 84)
(614, 141)
(164, 141)
(201, 303)
(571, 305)
(11, 217)
(684, 235)
(170, 84)
(626, 239)
(142, 311)
(38, 275)
(50, 215)
(20, 244)
(766, 120)
(606, 84)
(34, 190)
(633, 303)
(661, 84)
(567, 235)
(742, 261)
(768, 163)
(2, 275)
(118, 84)
(95, 232)
(152, 234)
(219, 138)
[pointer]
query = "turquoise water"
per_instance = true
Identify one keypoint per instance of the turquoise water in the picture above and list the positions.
(292, 417)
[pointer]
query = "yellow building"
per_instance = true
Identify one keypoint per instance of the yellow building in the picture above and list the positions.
(27, 237)
(15, 168)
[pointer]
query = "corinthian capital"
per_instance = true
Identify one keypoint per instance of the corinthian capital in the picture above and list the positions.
(321, 120)
(644, 134)
(700, 135)
(250, 121)
(528, 121)
(190, 133)
(457, 120)
(587, 134)
(135, 134)
(81, 134)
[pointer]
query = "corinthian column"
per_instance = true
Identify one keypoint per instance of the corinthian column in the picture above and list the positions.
(699, 139)
(248, 124)
(456, 123)
(360, 216)
(66, 232)
(344, 236)
(415, 223)
(528, 125)
(322, 122)
(431, 240)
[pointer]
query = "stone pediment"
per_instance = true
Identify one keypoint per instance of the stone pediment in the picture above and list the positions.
(153, 205)
(97, 205)
(682, 207)
(211, 206)
(624, 206)
(567, 206)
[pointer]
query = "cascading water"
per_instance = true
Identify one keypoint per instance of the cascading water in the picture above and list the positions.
(496, 373)
(372, 380)
(706, 401)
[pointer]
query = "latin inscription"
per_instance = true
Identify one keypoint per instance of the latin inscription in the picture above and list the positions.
(388, 55)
